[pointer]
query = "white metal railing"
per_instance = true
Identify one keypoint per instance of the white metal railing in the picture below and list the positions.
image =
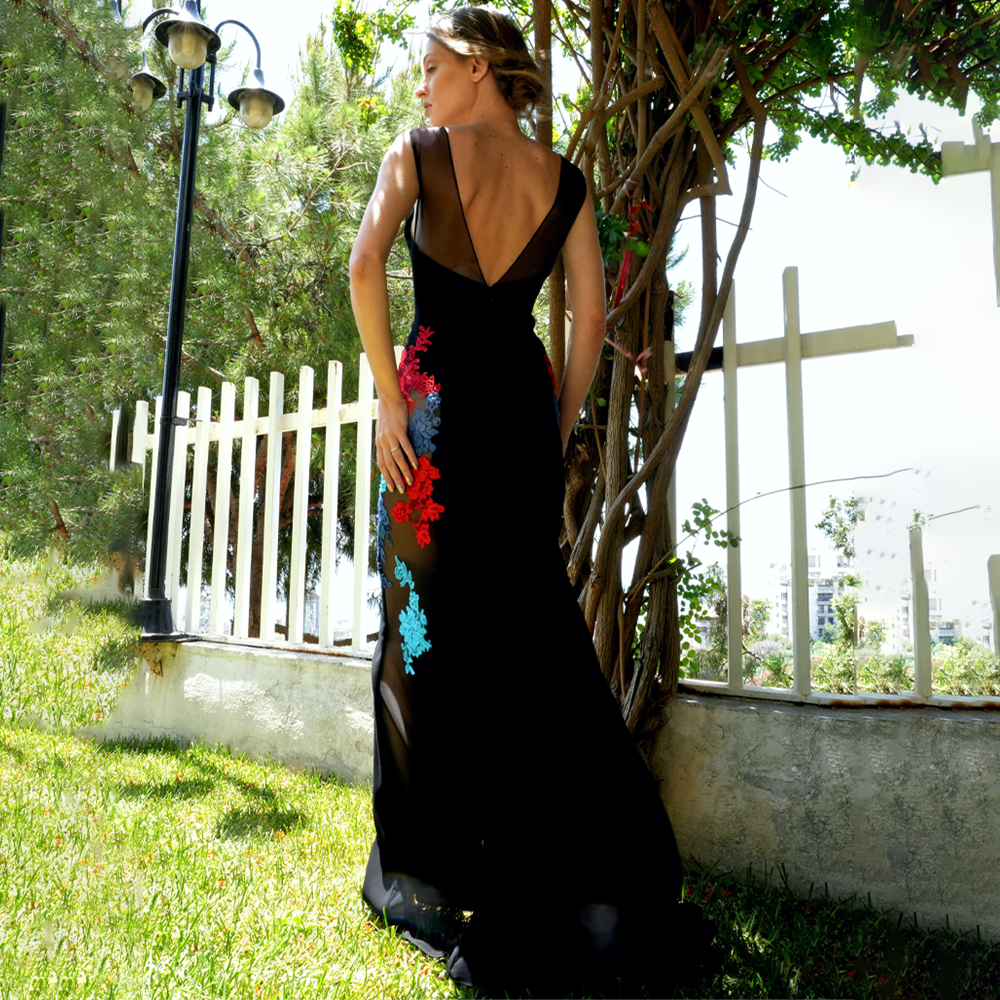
(202, 434)
(792, 349)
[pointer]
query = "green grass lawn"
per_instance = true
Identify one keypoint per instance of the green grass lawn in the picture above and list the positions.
(155, 870)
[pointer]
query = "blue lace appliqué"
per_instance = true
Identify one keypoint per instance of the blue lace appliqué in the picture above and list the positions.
(412, 621)
(384, 537)
(423, 424)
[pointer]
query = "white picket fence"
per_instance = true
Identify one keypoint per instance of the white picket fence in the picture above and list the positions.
(202, 434)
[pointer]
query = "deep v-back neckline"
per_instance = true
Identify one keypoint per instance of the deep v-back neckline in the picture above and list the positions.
(465, 221)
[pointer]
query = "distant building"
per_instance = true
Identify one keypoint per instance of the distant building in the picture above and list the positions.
(827, 575)
(826, 580)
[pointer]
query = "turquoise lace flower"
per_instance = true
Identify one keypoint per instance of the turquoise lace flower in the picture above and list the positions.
(423, 424)
(412, 621)
(403, 574)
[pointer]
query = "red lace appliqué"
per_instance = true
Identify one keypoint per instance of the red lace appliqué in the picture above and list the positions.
(552, 375)
(420, 503)
(410, 376)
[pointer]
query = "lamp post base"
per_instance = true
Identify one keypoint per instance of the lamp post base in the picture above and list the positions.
(158, 622)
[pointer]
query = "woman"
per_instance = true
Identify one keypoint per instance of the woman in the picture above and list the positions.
(505, 780)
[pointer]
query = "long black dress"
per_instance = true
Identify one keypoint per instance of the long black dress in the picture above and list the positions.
(505, 782)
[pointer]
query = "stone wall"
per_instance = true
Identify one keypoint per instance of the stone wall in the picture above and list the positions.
(308, 710)
(901, 804)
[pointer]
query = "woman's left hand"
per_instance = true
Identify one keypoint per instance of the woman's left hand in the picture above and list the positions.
(394, 454)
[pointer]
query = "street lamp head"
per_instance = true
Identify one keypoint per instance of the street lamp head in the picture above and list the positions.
(188, 38)
(256, 105)
(188, 41)
(146, 88)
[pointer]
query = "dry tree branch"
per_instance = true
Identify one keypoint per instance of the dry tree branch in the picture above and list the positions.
(682, 73)
(599, 109)
(666, 448)
(677, 117)
(563, 34)
(614, 47)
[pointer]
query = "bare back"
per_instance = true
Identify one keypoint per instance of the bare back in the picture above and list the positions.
(507, 188)
(486, 201)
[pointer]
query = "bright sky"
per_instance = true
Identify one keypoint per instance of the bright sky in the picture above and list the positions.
(890, 246)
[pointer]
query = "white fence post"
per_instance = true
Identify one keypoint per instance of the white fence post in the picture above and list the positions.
(362, 500)
(734, 581)
(199, 492)
(993, 568)
(154, 462)
(796, 482)
(176, 513)
(223, 491)
(116, 419)
(922, 681)
(272, 498)
(300, 506)
(244, 527)
(331, 493)
(140, 432)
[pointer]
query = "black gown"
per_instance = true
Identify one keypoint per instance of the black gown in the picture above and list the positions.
(505, 782)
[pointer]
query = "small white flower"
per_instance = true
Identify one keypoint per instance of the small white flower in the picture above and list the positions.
(49, 937)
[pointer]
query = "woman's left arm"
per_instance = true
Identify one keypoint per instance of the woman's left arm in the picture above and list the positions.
(395, 192)
(585, 284)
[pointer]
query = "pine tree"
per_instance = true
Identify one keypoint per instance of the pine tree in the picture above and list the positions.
(89, 191)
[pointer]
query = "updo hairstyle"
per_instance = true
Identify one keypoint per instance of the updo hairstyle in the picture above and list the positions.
(481, 33)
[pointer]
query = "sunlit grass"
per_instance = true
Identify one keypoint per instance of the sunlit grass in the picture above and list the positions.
(63, 661)
(148, 870)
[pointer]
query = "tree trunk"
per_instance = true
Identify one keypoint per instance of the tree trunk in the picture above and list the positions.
(664, 153)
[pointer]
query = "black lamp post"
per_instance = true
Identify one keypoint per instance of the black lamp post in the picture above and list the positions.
(191, 43)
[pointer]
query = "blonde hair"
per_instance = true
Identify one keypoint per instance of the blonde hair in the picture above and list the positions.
(482, 33)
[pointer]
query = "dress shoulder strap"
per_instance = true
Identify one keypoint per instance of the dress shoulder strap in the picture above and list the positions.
(438, 226)
(540, 254)
(576, 189)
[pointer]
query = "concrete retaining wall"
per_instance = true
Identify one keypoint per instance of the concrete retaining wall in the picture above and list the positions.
(307, 710)
(902, 804)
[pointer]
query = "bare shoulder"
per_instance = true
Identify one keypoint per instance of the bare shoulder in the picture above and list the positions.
(400, 154)
(399, 167)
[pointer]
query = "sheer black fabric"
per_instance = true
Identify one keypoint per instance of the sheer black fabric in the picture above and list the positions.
(505, 782)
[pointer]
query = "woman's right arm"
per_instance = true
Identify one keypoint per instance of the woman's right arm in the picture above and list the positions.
(395, 192)
(585, 285)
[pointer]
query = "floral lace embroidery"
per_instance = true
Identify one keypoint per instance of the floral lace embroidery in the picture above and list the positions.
(555, 387)
(410, 376)
(423, 423)
(422, 426)
(412, 621)
(384, 536)
(420, 502)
